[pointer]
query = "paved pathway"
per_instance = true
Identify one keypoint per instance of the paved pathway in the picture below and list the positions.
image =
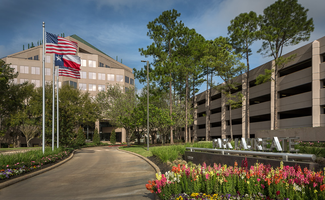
(93, 173)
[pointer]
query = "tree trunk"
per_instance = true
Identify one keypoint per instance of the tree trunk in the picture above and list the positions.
(230, 119)
(195, 114)
(206, 110)
(139, 139)
(247, 99)
(186, 97)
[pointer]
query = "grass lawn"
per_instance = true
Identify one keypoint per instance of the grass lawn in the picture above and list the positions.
(139, 149)
(19, 148)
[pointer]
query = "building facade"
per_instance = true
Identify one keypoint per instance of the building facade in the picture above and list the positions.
(300, 102)
(97, 70)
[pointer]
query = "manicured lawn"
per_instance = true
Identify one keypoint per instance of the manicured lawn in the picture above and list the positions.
(19, 148)
(139, 149)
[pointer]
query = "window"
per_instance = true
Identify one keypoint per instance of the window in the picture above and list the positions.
(71, 83)
(24, 69)
(107, 66)
(83, 86)
(35, 70)
(101, 76)
(15, 81)
(22, 80)
(92, 63)
(92, 75)
(48, 82)
(48, 59)
(110, 77)
(101, 88)
(83, 75)
(101, 64)
(37, 83)
(127, 79)
(14, 67)
(83, 63)
(119, 78)
(47, 71)
(30, 58)
(36, 57)
(131, 81)
(92, 87)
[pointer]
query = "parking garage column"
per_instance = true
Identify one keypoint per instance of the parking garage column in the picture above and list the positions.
(223, 116)
(272, 96)
(243, 110)
(195, 119)
(316, 84)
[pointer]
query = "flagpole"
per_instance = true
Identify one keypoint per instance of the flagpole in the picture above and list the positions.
(57, 109)
(53, 100)
(43, 83)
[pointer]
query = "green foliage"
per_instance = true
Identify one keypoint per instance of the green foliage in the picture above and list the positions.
(120, 108)
(96, 139)
(284, 23)
(263, 78)
(81, 138)
(113, 137)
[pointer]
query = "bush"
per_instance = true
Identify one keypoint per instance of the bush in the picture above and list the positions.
(96, 139)
(80, 140)
(113, 137)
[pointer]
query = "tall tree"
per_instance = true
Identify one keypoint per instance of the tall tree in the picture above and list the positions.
(284, 23)
(229, 67)
(243, 31)
(119, 107)
(164, 31)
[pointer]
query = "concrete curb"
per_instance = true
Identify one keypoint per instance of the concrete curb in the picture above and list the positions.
(16, 180)
(156, 168)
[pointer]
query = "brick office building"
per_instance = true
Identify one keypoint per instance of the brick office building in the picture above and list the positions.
(97, 70)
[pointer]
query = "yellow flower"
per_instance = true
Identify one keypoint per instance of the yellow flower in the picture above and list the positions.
(247, 182)
(158, 176)
(315, 191)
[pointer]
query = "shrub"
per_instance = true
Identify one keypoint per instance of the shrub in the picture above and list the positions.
(113, 137)
(80, 140)
(96, 139)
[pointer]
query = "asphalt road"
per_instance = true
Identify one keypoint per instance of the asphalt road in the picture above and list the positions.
(93, 173)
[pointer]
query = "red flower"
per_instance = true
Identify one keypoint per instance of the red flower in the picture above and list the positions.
(278, 193)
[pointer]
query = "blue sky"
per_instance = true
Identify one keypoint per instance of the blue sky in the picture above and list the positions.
(119, 27)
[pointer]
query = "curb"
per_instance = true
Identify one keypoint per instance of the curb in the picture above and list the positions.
(27, 176)
(156, 168)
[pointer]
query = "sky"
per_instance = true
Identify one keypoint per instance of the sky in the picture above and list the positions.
(119, 27)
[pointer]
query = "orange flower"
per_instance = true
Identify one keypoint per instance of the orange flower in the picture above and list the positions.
(322, 187)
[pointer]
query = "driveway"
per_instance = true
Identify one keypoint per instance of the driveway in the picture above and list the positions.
(93, 173)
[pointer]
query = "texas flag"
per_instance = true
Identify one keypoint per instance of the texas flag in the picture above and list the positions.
(71, 61)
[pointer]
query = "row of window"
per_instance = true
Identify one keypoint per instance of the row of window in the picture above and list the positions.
(91, 63)
(37, 83)
(34, 70)
(83, 75)
(31, 58)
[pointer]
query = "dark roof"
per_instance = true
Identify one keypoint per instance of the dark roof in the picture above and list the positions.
(86, 43)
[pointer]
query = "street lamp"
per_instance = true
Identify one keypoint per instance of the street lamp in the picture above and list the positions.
(147, 103)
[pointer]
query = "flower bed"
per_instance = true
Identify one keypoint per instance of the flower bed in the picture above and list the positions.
(233, 182)
(10, 170)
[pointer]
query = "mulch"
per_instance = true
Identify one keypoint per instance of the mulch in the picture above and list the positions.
(162, 166)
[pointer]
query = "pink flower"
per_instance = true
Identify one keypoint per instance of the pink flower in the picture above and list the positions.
(314, 184)
(207, 176)
(159, 191)
(262, 186)
(7, 165)
(258, 180)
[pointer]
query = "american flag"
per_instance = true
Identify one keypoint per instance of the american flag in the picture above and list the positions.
(69, 72)
(59, 45)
